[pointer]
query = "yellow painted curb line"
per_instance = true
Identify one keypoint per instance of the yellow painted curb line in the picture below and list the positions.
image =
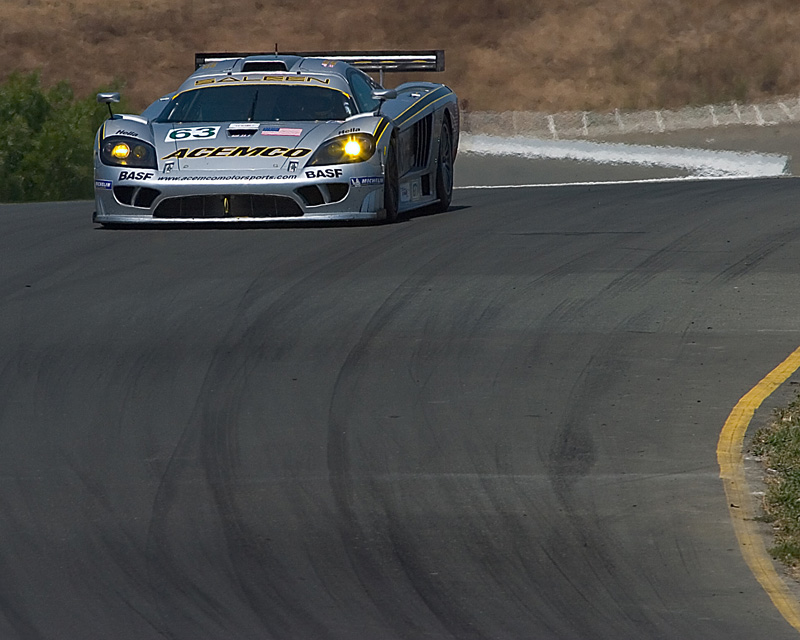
(731, 470)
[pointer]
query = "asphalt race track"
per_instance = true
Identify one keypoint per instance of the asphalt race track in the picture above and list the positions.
(499, 422)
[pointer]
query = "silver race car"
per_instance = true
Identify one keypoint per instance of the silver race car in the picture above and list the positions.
(290, 137)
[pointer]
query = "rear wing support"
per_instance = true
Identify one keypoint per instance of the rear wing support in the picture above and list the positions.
(380, 61)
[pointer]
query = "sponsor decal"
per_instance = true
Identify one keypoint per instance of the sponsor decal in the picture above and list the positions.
(251, 78)
(416, 190)
(405, 193)
(370, 181)
(238, 152)
(234, 178)
(123, 132)
(292, 166)
(168, 166)
(243, 126)
(324, 173)
(192, 133)
(353, 130)
(135, 175)
(329, 64)
(102, 184)
(281, 131)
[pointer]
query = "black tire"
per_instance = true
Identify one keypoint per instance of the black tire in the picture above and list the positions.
(391, 184)
(444, 169)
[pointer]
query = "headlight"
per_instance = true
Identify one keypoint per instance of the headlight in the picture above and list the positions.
(117, 151)
(356, 147)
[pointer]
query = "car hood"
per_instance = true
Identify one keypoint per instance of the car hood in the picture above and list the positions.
(238, 146)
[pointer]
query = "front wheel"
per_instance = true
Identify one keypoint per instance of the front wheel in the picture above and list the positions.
(444, 169)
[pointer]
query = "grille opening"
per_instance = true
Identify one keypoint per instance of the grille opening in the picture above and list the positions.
(229, 206)
(141, 197)
(124, 195)
(426, 184)
(337, 190)
(264, 65)
(324, 193)
(145, 197)
(311, 195)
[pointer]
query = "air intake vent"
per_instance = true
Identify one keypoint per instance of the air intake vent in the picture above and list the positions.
(141, 197)
(311, 194)
(338, 190)
(324, 193)
(422, 141)
(264, 65)
(232, 206)
(242, 129)
(124, 195)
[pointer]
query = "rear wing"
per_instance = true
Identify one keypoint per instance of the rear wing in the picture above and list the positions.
(430, 60)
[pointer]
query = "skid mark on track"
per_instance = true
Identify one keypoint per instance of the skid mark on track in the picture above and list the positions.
(571, 458)
(390, 564)
(204, 466)
(754, 258)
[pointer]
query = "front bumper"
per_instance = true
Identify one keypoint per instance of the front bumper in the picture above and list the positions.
(342, 192)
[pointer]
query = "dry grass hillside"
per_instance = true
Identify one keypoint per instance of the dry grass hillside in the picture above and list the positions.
(501, 54)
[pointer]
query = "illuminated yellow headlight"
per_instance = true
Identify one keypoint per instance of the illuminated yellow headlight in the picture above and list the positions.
(356, 147)
(352, 148)
(121, 150)
(127, 153)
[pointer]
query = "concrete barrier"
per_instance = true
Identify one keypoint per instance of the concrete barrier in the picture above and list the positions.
(570, 125)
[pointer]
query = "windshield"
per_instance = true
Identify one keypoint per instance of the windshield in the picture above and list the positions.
(258, 103)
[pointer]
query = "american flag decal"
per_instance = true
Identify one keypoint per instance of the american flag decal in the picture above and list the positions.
(281, 131)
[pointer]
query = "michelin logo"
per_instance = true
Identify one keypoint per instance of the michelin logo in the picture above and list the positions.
(366, 182)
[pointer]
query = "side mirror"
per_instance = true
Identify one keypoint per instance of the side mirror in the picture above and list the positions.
(105, 98)
(108, 98)
(382, 95)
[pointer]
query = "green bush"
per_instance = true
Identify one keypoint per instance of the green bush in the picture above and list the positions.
(46, 141)
(778, 445)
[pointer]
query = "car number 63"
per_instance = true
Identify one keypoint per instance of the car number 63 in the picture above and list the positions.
(192, 133)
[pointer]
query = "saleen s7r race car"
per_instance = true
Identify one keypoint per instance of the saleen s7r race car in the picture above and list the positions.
(268, 137)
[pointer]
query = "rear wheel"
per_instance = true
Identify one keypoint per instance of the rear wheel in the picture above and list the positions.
(391, 184)
(444, 169)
